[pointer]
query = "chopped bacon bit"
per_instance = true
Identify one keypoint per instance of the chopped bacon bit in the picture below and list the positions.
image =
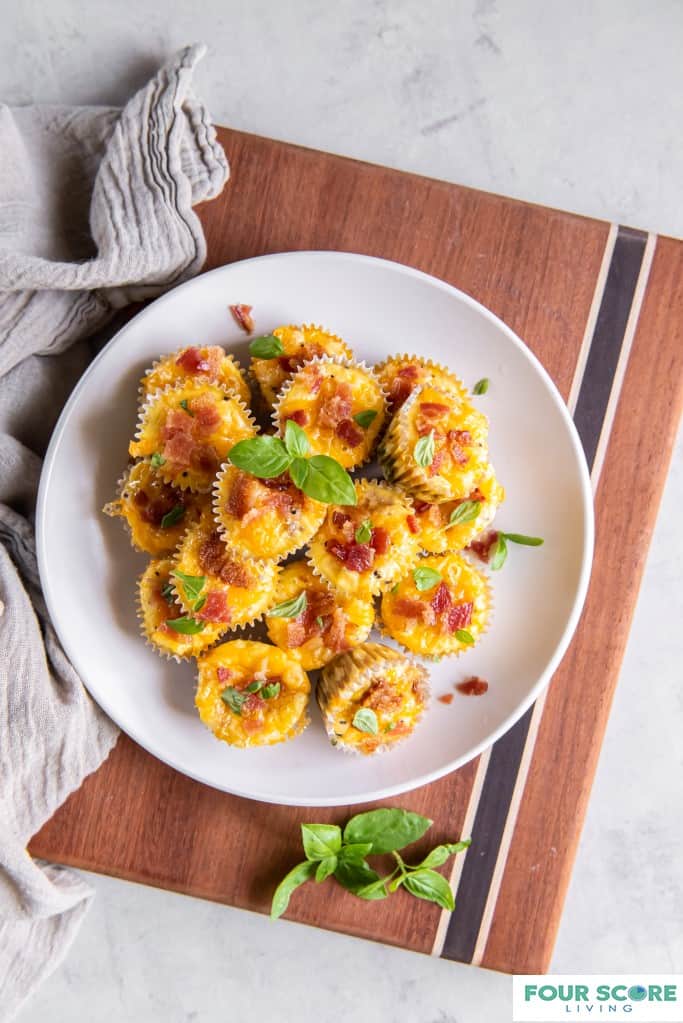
(205, 458)
(349, 432)
(357, 557)
(297, 633)
(473, 686)
(437, 462)
(422, 506)
(380, 696)
(206, 414)
(460, 616)
(240, 498)
(433, 409)
(215, 608)
(482, 547)
(291, 363)
(335, 635)
(339, 518)
(214, 559)
(224, 674)
(456, 439)
(178, 449)
(234, 574)
(441, 601)
(409, 372)
(141, 499)
(402, 385)
(281, 482)
(413, 524)
(446, 698)
(253, 704)
(315, 380)
(161, 506)
(380, 540)
(408, 607)
(298, 416)
(243, 317)
(337, 407)
(476, 495)
(192, 360)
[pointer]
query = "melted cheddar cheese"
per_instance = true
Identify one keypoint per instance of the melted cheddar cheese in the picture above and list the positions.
(158, 611)
(299, 345)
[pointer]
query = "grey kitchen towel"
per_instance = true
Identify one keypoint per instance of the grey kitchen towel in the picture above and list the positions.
(95, 212)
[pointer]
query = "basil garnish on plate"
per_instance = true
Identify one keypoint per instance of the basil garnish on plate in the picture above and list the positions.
(500, 551)
(481, 386)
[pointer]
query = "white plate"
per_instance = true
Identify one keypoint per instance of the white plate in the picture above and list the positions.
(88, 570)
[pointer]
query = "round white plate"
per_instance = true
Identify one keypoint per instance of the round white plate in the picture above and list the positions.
(89, 571)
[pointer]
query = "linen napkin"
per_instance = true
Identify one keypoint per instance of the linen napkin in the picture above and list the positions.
(95, 212)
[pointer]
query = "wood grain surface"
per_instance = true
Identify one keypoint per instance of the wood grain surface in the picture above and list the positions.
(572, 289)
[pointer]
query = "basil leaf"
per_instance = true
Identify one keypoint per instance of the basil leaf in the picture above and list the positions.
(270, 691)
(320, 622)
(481, 386)
(463, 636)
(365, 720)
(302, 872)
(262, 456)
(364, 532)
(321, 840)
(423, 452)
(184, 406)
(289, 608)
(157, 460)
(167, 592)
(500, 553)
(438, 856)
(267, 347)
(175, 515)
(387, 829)
(376, 890)
(192, 584)
(199, 604)
(525, 541)
(234, 699)
(325, 868)
(296, 440)
(328, 482)
(426, 578)
(355, 852)
(427, 884)
(298, 472)
(365, 418)
(187, 626)
(355, 875)
(254, 686)
(465, 512)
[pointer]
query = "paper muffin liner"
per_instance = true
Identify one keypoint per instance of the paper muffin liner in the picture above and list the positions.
(354, 671)
(264, 575)
(268, 399)
(237, 385)
(197, 644)
(335, 360)
(399, 465)
(429, 652)
(403, 554)
(438, 371)
(297, 542)
(188, 479)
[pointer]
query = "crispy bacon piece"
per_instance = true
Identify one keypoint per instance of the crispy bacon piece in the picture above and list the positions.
(224, 674)
(459, 617)
(432, 409)
(409, 607)
(298, 416)
(437, 462)
(291, 363)
(177, 435)
(240, 497)
(413, 524)
(380, 540)
(215, 560)
(349, 432)
(205, 412)
(357, 557)
(337, 407)
(215, 608)
(253, 705)
(446, 698)
(456, 441)
(380, 696)
(476, 495)
(482, 547)
(234, 574)
(441, 601)
(473, 686)
(335, 633)
(205, 458)
(402, 386)
(281, 482)
(422, 506)
(297, 633)
(191, 360)
(152, 510)
(242, 316)
(340, 518)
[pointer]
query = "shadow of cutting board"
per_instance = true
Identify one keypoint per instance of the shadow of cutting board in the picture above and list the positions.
(602, 307)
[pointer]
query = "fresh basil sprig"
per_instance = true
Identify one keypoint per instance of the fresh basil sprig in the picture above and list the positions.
(425, 578)
(267, 347)
(364, 532)
(467, 511)
(365, 418)
(423, 452)
(319, 477)
(289, 608)
(500, 551)
(331, 851)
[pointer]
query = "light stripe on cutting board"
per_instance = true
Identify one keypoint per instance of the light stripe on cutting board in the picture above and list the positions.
(593, 399)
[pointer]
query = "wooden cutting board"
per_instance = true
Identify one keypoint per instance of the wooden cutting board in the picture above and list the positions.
(602, 307)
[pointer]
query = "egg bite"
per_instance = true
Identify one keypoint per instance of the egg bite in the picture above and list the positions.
(164, 624)
(453, 525)
(401, 374)
(187, 431)
(264, 518)
(361, 550)
(436, 447)
(215, 583)
(299, 345)
(252, 694)
(340, 406)
(156, 513)
(205, 364)
(440, 608)
(371, 698)
(312, 622)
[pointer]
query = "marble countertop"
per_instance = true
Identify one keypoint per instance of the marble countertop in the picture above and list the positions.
(576, 107)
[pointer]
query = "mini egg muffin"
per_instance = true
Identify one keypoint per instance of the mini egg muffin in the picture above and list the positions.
(157, 513)
(436, 447)
(164, 624)
(453, 525)
(252, 694)
(299, 345)
(401, 374)
(188, 429)
(439, 608)
(216, 584)
(361, 550)
(339, 405)
(208, 364)
(311, 622)
(264, 519)
(371, 698)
